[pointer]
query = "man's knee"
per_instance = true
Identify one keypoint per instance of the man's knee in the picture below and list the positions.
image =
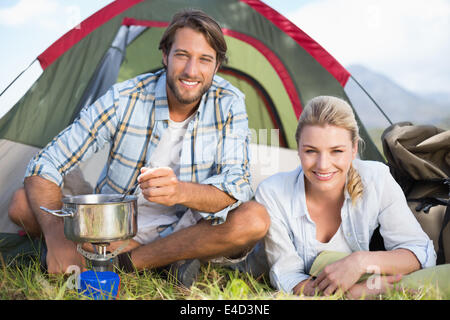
(18, 208)
(250, 222)
(258, 218)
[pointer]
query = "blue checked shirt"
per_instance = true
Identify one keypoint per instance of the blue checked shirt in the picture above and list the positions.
(132, 117)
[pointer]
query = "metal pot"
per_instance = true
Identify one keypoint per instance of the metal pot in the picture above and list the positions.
(98, 218)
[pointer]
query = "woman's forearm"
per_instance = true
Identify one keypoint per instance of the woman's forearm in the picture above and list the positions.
(388, 263)
(398, 261)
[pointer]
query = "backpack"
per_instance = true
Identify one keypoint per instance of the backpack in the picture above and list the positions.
(419, 160)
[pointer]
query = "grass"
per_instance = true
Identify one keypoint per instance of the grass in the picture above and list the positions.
(28, 282)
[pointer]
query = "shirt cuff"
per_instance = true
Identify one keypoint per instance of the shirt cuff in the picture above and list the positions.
(220, 216)
(288, 281)
(426, 256)
(41, 170)
(241, 193)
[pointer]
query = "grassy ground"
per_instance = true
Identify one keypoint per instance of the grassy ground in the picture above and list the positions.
(28, 282)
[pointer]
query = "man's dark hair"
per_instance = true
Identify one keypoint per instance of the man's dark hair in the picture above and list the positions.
(199, 21)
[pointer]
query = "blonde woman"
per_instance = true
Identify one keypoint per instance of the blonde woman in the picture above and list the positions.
(332, 203)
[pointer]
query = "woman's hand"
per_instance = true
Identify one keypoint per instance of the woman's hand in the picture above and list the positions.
(342, 274)
(373, 286)
(305, 287)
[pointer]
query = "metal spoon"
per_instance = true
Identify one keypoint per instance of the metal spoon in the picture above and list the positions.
(132, 190)
(126, 193)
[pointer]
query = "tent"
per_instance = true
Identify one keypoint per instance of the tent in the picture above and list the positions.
(276, 65)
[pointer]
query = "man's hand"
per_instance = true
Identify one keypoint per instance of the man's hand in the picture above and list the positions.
(160, 185)
(342, 274)
(61, 254)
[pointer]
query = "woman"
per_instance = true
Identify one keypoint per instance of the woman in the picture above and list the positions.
(334, 202)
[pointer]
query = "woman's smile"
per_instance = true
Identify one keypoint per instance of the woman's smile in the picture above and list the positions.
(324, 176)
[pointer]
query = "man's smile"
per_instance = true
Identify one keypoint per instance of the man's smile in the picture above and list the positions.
(189, 83)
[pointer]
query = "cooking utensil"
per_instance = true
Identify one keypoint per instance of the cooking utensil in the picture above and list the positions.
(131, 191)
(98, 218)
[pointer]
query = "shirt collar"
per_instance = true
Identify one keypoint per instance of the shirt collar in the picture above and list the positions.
(346, 194)
(300, 208)
(161, 104)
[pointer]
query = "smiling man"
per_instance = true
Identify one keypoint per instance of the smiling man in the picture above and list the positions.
(193, 64)
(183, 134)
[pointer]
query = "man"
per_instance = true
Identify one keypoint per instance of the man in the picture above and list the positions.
(182, 133)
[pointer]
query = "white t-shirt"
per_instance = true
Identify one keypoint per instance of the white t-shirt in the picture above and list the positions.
(336, 243)
(166, 154)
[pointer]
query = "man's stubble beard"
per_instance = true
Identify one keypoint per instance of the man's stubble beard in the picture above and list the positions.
(178, 95)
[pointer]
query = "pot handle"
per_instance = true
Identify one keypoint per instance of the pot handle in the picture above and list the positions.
(59, 213)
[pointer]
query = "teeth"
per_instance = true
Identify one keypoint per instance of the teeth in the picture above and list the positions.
(324, 175)
(189, 83)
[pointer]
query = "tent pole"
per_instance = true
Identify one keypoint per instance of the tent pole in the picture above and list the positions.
(376, 104)
(9, 85)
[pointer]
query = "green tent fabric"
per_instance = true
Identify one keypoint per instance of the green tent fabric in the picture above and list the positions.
(263, 44)
(277, 66)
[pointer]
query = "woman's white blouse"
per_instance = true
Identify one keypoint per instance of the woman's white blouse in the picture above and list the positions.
(291, 244)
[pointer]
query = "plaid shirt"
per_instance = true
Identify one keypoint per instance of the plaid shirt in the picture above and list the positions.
(132, 117)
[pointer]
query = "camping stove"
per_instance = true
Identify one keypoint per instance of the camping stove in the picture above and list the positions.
(101, 260)
(99, 219)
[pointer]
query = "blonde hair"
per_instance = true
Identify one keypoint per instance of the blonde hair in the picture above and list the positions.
(323, 110)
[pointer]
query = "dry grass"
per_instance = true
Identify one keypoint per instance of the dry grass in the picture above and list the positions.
(27, 282)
